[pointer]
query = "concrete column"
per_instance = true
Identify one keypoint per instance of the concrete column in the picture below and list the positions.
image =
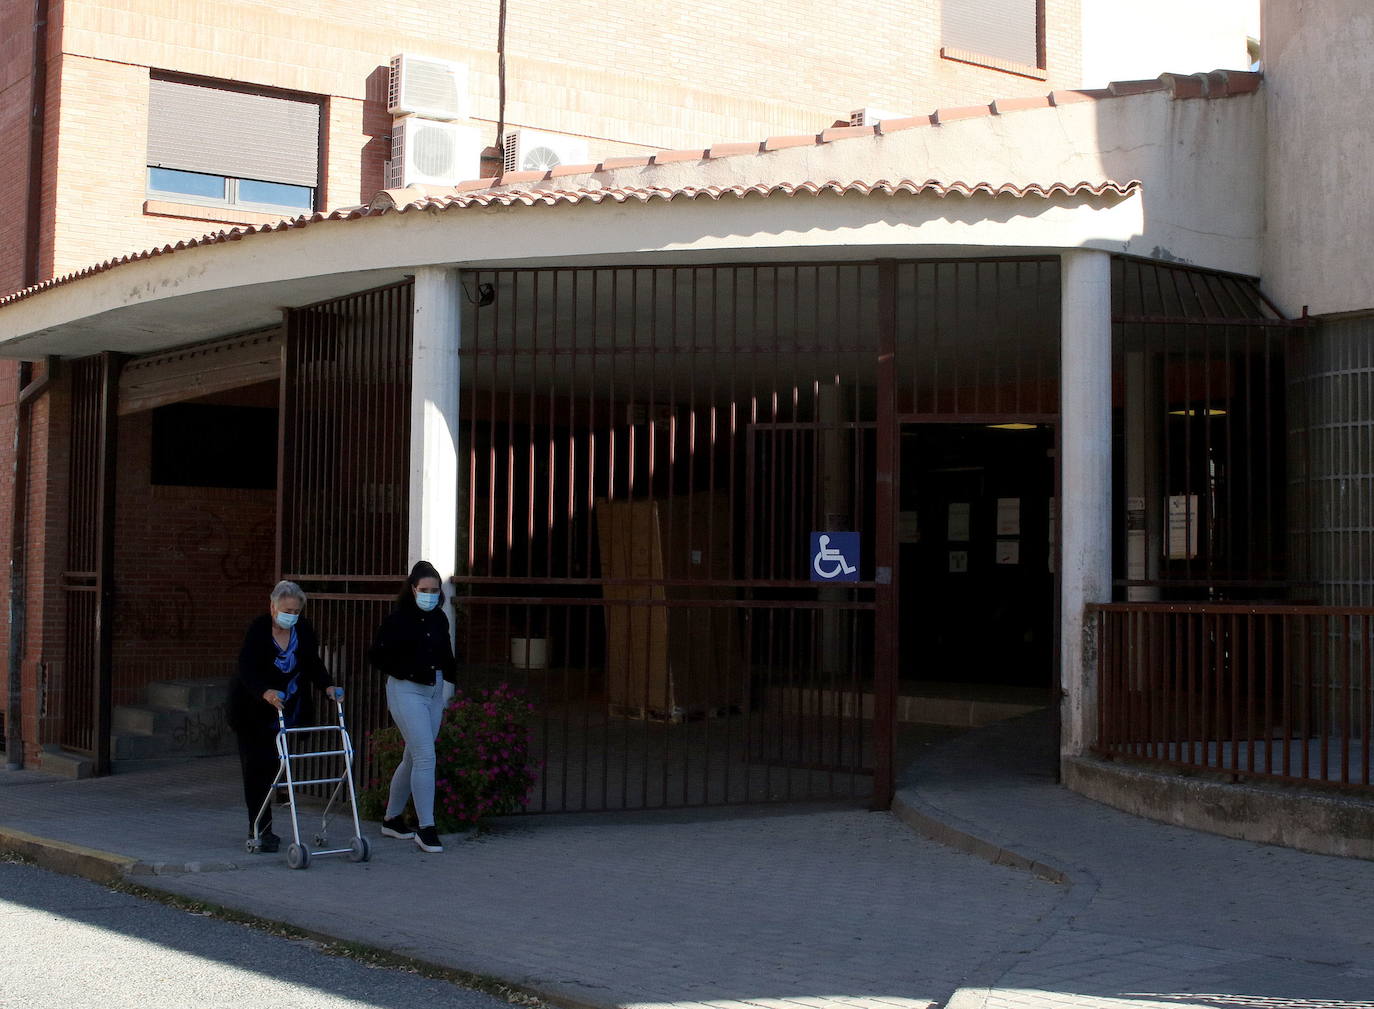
(1085, 383)
(434, 420)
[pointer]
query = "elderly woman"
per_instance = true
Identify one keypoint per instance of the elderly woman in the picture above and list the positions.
(279, 661)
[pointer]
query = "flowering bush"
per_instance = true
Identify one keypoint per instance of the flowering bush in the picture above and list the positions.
(482, 765)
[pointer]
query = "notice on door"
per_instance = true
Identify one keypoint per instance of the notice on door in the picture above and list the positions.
(1008, 516)
(958, 522)
(1182, 527)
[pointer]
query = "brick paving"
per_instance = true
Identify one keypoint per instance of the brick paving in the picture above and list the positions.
(820, 906)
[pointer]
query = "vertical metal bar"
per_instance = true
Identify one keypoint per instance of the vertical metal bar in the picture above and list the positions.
(1344, 735)
(884, 552)
(110, 365)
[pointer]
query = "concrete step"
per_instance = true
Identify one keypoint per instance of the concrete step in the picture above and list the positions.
(192, 739)
(181, 718)
(153, 719)
(188, 693)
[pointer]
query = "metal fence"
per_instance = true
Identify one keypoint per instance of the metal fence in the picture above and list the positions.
(344, 486)
(1279, 692)
(645, 453)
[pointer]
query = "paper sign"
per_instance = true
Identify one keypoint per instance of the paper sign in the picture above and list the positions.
(958, 562)
(1182, 527)
(958, 522)
(1008, 516)
(1008, 551)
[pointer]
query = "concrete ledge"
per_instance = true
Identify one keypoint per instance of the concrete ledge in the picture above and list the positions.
(927, 822)
(1269, 814)
(70, 859)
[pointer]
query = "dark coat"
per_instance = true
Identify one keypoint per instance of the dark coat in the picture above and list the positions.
(414, 645)
(258, 672)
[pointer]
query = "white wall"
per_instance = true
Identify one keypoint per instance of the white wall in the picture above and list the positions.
(1319, 73)
(1128, 40)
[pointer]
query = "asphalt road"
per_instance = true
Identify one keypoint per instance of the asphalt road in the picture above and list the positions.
(72, 944)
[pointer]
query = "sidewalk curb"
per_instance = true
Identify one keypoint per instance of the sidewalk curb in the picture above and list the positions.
(110, 869)
(448, 971)
(68, 859)
(931, 823)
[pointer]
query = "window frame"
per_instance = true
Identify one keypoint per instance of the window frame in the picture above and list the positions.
(991, 62)
(230, 200)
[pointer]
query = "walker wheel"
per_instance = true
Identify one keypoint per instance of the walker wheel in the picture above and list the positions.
(298, 856)
(252, 845)
(320, 840)
(359, 850)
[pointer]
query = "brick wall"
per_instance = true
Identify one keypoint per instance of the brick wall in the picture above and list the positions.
(193, 566)
(627, 79)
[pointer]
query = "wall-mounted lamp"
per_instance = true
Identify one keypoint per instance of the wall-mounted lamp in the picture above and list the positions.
(1199, 411)
(486, 294)
(1013, 427)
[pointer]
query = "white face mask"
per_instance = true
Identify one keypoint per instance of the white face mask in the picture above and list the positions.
(426, 600)
(286, 621)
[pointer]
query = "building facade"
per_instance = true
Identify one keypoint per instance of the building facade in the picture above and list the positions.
(1038, 400)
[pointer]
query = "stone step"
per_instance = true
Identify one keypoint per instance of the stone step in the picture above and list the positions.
(194, 737)
(188, 693)
(153, 719)
(180, 718)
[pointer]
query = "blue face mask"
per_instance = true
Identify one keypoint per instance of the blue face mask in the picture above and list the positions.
(286, 621)
(426, 600)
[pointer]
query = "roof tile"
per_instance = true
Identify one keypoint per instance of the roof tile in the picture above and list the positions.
(951, 115)
(847, 133)
(610, 164)
(488, 191)
(726, 150)
(782, 143)
(673, 157)
(1004, 105)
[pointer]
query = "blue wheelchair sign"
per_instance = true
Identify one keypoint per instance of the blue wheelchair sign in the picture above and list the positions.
(834, 557)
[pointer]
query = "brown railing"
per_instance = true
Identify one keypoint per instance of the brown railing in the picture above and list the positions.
(1260, 691)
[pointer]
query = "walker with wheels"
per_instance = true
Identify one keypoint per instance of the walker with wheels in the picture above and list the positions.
(298, 854)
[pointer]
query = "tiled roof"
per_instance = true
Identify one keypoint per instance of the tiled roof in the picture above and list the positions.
(518, 188)
(1217, 84)
(418, 198)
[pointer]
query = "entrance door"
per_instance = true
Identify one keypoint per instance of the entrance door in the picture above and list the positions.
(975, 545)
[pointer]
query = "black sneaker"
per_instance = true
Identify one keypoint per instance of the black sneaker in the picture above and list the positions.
(268, 842)
(395, 826)
(428, 839)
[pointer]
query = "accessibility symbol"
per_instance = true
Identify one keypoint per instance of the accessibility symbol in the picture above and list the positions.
(834, 557)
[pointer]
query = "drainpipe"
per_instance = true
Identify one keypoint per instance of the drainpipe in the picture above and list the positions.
(23, 412)
(38, 75)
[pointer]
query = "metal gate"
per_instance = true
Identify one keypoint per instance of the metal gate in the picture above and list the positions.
(646, 452)
(343, 487)
(87, 583)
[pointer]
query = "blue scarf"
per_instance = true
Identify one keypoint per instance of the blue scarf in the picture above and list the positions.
(286, 662)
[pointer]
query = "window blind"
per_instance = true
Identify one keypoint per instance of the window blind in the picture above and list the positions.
(200, 128)
(1004, 29)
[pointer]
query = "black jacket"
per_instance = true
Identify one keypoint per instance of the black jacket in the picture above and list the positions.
(413, 645)
(258, 672)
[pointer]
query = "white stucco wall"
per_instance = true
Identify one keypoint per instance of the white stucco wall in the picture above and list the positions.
(1126, 40)
(1319, 73)
(1199, 160)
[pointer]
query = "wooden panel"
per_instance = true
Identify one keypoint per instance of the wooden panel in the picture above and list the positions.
(198, 371)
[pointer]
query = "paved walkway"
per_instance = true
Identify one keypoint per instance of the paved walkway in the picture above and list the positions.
(823, 906)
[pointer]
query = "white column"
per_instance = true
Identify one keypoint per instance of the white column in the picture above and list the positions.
(1085, 381)
(434, 420)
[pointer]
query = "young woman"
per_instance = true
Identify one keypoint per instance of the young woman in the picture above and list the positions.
(279, 661)
(412, 647)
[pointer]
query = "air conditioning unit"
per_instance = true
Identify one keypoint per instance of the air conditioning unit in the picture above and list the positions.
(533, 151)
(430, 153)
(868, 116)
(435, 89)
